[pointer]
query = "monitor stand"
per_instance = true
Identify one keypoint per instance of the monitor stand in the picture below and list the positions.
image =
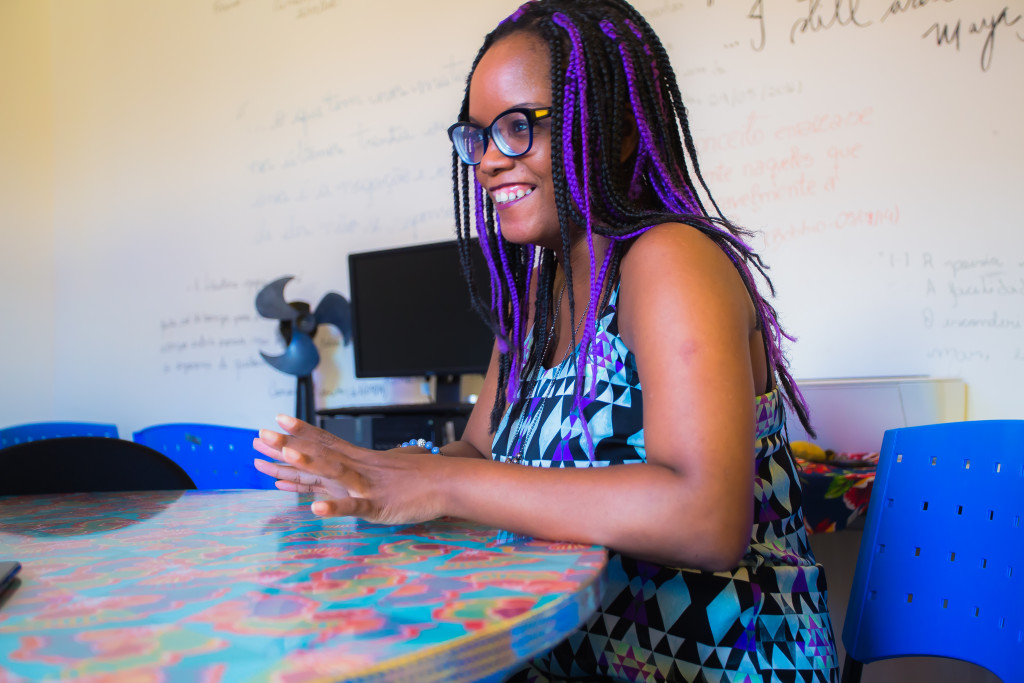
(383, 426)
(449, 390)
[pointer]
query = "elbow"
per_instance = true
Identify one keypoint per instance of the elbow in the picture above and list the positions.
(721, 548)
(726, 557)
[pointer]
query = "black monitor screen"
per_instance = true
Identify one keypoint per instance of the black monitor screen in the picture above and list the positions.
(411, 312)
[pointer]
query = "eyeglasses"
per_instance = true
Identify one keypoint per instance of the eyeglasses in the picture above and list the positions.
(512, 132)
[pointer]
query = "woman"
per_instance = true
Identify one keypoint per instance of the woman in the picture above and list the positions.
(649, 418)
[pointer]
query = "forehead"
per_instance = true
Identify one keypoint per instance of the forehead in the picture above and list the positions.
(514, 71)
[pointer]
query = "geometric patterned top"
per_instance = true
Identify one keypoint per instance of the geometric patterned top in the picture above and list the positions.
(766, 620)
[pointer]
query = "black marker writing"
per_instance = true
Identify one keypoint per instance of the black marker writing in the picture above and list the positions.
(757, 14)
(843, 13)
(946, 34)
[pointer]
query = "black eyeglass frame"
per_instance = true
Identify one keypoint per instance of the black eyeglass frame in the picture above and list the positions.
(533, 115)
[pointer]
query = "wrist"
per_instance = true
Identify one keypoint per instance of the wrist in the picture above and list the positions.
(427, 446)
(445, 478)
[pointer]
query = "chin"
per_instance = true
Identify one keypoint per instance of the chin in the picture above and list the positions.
(519, 233)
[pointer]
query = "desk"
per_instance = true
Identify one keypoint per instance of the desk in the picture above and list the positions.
(382, 427)
(249, 585)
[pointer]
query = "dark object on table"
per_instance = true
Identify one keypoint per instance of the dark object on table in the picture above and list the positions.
(86, 464)
(8, 579)
(298, 324)
(8, 570)
(939, 571)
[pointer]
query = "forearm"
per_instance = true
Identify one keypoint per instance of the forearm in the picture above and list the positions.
(462, 449)
(644, 510)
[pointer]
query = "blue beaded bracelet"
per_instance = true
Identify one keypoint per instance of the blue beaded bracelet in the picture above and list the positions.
(422, 443)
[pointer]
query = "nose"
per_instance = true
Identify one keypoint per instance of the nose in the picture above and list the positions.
(494, 161)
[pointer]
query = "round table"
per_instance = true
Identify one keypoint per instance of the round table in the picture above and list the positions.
(250, 586)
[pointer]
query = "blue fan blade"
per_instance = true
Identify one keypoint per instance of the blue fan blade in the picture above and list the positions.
(299, 359)
(270, 301)
(334, 309)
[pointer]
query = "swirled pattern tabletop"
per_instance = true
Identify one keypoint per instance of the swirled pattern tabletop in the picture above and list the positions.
(219, 586)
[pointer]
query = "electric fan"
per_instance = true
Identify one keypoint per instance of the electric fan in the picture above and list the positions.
(298, 323)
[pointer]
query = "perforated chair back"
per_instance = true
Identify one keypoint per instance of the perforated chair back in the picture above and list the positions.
(24, 433)
(216, 457)
(941, 564)
(83, 464)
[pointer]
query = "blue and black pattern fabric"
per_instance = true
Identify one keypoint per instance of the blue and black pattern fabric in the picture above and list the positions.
(765, 621)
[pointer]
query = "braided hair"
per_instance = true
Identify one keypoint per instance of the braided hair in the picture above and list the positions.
(609, 73)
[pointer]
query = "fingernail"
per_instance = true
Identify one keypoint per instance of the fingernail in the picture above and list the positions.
(290, 455)
(287, 421)
(320, 508)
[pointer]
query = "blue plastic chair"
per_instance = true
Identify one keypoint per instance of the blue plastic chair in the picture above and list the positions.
(941, 565)
(36, 431)
(215, 457)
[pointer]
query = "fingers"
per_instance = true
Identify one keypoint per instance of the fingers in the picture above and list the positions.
(264, 448)
(299, 488)
(328, 463)
(304, 430)
(273, 444)
(344, 507)
(290, 474)
(312, 460)
(314, 441)
(267, 468)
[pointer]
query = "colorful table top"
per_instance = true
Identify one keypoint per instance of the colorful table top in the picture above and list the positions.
(223, 586)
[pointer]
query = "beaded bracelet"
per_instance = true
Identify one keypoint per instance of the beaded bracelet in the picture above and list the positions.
(422, 443)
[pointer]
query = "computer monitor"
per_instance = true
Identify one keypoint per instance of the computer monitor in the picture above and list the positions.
(412, 315)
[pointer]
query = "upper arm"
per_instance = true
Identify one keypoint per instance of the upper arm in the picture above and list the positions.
(687, 317)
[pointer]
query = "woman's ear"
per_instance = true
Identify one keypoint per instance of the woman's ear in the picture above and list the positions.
(630, 139)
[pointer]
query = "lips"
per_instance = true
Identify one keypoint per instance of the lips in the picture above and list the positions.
(507, 194)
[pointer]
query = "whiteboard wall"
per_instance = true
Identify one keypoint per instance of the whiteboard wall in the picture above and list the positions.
(205, 147)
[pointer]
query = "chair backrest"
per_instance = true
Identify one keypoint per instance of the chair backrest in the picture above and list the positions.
(216, 457)
(16, 434)
(941, 564)
(81, 464)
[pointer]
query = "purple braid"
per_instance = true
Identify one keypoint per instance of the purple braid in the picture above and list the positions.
(636, 181)
(517, 321)
(577, 77)
(497, 302)
(689, 204)
(515, 16)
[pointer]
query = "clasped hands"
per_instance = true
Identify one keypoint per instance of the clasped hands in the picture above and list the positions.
(387, 487)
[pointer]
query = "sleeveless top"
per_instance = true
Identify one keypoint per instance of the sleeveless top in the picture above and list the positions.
(766, 620)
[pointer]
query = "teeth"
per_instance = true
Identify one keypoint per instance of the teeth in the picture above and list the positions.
(502, 196)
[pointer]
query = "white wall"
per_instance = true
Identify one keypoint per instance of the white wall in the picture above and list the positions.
(27, 287)
(204, 147)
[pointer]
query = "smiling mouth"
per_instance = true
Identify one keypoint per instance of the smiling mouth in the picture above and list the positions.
(506, 196)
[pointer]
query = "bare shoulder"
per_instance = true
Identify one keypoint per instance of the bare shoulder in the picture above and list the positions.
(674, 245)
(675, 267)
